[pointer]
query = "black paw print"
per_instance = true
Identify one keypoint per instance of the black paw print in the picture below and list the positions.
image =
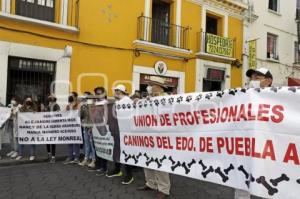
(124, 106)
(257, 90)
(156, 102)
(163, 101)
(199, 97)
(189, 98)
(274, 89)
(171, 100)
(179, 99)
(243, 90)
(293, 89)
(232, 92)
(150, 103)
(145, 104)
(134, 105)
(129, 106)
(208, 96)
(140, 104)
(119, 107)
(220, 94)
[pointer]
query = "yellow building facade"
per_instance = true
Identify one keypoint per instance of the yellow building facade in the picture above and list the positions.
(193, 45)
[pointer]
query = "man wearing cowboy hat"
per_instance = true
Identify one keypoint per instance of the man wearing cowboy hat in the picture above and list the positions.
(157, 180)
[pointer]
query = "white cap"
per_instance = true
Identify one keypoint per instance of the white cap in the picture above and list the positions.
(120, 87)
(262, 71)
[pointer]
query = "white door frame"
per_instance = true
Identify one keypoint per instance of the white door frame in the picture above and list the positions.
(63, 65)
(138, 70)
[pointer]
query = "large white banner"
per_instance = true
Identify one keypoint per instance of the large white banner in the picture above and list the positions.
(49, 128)
(246, 138)
(4, 115)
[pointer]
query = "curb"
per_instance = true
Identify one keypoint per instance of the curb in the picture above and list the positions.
(12, 162)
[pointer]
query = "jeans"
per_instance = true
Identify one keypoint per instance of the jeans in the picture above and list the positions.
(88, 144)
(12, 139)
(32, 150)
(74, 151)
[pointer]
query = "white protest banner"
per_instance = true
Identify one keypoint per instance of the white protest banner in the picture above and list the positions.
(245, 138)
(49, 128)
(4, 115)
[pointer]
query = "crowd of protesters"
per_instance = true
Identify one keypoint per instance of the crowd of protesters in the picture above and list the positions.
(154, 180)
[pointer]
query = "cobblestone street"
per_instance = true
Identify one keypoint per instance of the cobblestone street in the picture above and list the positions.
(58, 181)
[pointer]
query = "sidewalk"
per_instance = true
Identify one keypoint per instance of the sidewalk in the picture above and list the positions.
(41, 155)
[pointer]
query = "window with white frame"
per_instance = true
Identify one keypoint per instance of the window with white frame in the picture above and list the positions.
(274, 5)
(37, 9)
(272, 46)
(297, 53)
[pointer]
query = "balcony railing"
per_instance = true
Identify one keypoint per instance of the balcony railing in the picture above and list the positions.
(160, 32)
(65, 12)
(216, 45)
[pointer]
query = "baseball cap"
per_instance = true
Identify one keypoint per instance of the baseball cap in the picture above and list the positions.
(120, 87)
(261, 71)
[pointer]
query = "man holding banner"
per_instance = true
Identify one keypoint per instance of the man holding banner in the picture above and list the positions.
(121, 95)
(259, 78)
(157, 180)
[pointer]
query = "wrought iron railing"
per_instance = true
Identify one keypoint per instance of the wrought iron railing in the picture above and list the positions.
(159, 32)
(216, 45)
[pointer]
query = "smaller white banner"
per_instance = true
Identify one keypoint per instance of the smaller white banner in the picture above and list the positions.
(49, 128)
(104, 142)
(4, 115)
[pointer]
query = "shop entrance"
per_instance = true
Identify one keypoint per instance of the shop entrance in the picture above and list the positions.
(214, 80)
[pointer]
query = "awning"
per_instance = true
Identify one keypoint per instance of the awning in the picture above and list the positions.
(293, 82)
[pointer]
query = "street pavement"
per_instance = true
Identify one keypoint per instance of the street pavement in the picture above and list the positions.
(58, 181)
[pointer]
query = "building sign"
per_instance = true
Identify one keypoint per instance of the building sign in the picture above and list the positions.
(215, 74)
(168, 81)
(252, 54)
(219, 45)
(160, 68)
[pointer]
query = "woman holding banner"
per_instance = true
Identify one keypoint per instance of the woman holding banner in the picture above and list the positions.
(28, 106)
(13, 127)
(89, 150)
(74, 149)
(52, 107)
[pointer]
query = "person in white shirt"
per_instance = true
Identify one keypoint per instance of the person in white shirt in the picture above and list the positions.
(121, 95)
